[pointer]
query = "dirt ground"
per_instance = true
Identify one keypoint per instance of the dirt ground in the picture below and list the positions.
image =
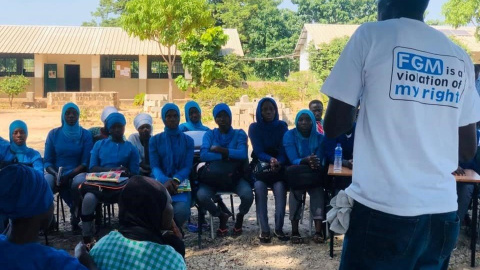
(244, 252)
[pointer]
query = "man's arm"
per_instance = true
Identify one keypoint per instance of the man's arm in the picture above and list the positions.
(339, 118)
(467, 142)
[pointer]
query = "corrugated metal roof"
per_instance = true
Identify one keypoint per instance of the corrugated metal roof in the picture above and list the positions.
(324, 33)
(87, 41)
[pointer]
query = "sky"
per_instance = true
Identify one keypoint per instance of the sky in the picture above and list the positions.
(74, 12)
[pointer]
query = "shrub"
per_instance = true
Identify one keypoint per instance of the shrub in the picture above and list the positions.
(13, 86)
(139, 99)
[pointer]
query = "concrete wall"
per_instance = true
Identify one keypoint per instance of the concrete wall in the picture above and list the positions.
(160, 86)
(30, 88)
(85, 62)
(304, 64)
(126, 87)
(92, 100)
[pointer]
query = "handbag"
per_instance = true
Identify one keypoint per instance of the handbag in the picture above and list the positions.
(262, 171)
(107, 192)
(303, 177)
(221, 174)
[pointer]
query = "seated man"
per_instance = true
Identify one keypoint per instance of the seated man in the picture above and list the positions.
(228, 144)
(147, 237)
(112, 154)
(171, 159)
(26, 199)
(316, 107)
(144, 125)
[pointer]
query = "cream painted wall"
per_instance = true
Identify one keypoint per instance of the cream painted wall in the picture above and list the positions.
(160, 86)
(304, 64)
(85, 62)
(125, 87)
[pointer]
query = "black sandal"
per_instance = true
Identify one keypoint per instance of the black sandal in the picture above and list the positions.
(237, 232)
(318, 238)
(296, 239)
(222, 232)
(281, 235)
(265, 238)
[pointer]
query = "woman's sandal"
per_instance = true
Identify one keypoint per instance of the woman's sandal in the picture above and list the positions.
(265, 238)
(281, 236)
(318, 238)
(296, 239)
(237, 232)
(222, 232)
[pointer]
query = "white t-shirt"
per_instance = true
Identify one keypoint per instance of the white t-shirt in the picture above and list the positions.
(416, 88)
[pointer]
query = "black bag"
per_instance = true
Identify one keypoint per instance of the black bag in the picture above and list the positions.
(221, 174)
(107, 192)
(262, 171)
(303, 177)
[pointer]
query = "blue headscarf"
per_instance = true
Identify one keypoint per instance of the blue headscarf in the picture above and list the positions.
(72, 132)
(115, 118)
(189, 124)
(267, 126)
(23, 192)
(223, 139)
(169, 134)
(312, 140)
(19, 150)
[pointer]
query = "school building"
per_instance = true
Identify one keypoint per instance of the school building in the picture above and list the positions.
(317, 34)
(97, 59)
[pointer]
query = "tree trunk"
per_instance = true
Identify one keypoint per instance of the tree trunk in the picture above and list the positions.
(170, 82)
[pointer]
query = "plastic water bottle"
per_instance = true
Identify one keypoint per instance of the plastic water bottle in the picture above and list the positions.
(337, 165)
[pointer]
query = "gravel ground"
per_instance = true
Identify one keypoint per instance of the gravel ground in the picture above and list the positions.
(246, 252)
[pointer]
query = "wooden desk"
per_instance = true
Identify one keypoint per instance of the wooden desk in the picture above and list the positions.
(470, 177)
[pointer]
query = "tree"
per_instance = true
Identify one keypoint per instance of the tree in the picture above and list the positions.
(13, 86)
(306, 83)
(336, 11)
(323, 59)
(108, 13)
(462, 12)
(167, 22)
(265, 32)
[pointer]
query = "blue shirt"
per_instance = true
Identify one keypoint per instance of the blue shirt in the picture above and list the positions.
(347, 146)
(159, 159)
(4, 149)
(273, 139)
(472, 164)
(237, 148)
(31, 158)
(289, 141)
(106, 153)
(184, 128)
(60, 151)
(34, 256)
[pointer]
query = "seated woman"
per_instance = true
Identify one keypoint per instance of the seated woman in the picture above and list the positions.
(27, 200)
(19, 152)
(171, 159)
(100, 133)
(144, 125)
(68, 147)
(304, 145)
(112, 154)
(225, 143)
(193, 116)
(266, 136)
(147, 237)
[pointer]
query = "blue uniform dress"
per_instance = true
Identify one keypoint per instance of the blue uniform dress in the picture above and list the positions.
(267, 138)
(297, 147)
(35, 256)
(236, 141)
(110, 154)
(189, 125)
(176, 163)
(345, 140)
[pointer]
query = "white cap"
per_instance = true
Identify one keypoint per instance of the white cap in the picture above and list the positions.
(107, 111)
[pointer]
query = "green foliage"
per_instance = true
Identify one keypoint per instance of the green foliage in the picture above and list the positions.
(336, 11)
(107, 14)
(323, 59)
(168, 22)
(13, 86)
(139, 99)
(462, 12)
(306, 83)
(265, 31)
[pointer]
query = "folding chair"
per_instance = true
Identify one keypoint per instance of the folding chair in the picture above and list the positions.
(59, 204)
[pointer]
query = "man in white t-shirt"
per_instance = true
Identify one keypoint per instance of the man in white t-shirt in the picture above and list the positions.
(419, 108)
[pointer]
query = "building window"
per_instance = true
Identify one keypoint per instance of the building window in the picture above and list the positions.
(119, 66)
(28, 67)
(158, 69)
(17, 64)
